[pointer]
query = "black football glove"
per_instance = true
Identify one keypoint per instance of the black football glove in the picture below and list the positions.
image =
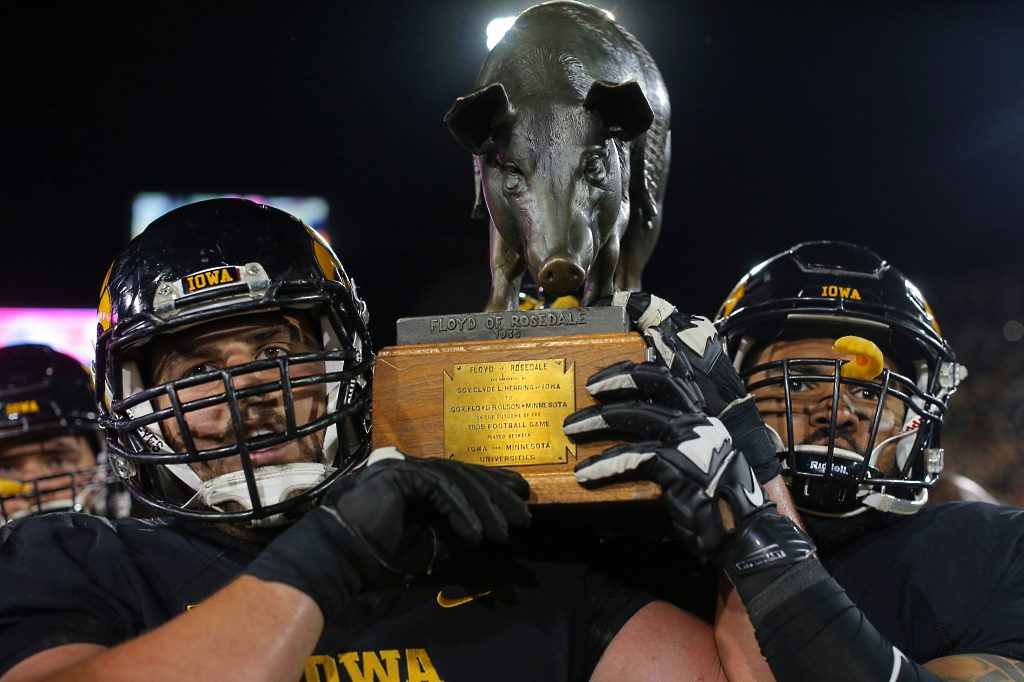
(377, 527)
(689, 347)
(716, 504)
(806, 625)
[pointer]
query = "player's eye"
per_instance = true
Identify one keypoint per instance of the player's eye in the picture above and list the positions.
(272, 353)
(871, 394)
(8, 470)
(202, 368)
(59, 463)
(799, 385)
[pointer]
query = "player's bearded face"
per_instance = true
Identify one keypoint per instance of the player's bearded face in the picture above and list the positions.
(812, 403)
(227, 344)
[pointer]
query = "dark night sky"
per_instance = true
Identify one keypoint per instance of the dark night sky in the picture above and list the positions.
(899, 125)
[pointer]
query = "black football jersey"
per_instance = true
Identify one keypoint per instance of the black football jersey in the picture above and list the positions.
(948, 580)
(76, 578)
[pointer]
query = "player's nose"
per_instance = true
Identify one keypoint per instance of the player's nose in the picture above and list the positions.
(846, 416)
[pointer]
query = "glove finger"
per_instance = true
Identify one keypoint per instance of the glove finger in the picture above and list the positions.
(644, 310)
(422, 485)
(511, 480)
(508, 491)
(425, 486)
(645, 381)
(693, 335)
(697, 452)
(487, 497)
(633, 420)
(696, 339)
(629, 461)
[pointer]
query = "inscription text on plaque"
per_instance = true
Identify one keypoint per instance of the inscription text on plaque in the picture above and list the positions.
(509, 413)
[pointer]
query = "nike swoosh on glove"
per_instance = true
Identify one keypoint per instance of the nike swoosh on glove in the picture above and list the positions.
(689, 347)
(379, 526)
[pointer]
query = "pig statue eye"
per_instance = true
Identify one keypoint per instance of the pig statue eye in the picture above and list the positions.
(513, 182)
(593, 168)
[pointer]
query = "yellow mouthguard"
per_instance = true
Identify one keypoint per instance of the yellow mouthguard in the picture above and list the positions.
(9, 487)
(867, 358)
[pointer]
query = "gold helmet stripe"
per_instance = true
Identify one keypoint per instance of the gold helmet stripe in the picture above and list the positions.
(732, 300)
(103, 309)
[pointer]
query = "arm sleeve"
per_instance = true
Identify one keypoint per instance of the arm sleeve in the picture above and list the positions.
(62, 575)
(806, 625)
(809, 629)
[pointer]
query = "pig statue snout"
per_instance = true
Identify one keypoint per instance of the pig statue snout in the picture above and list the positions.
(561, 276)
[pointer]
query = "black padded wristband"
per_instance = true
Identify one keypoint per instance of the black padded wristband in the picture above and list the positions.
(762, 549)
(750, 436)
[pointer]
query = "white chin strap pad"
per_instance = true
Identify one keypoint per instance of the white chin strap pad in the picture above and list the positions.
(274, 484)
(896, 505)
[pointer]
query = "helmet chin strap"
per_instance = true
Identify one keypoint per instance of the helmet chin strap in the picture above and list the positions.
(883, 502)
(274, 483)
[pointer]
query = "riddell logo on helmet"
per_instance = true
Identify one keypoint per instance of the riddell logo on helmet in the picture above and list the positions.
(209, 278)
(833, 291)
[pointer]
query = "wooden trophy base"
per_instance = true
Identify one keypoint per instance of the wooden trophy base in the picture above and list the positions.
(502, 403)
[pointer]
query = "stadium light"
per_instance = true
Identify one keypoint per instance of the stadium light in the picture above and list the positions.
(497, 28)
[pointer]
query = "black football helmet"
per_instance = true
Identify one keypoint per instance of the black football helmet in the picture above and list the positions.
(205, 262)
(832, 289)
(45, 394)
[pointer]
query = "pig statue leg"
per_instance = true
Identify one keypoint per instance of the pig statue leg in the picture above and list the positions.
(637, 245)
(642, 232)
(507, 267)
(601, 279)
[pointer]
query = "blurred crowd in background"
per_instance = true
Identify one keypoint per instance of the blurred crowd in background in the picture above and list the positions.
(982, 316)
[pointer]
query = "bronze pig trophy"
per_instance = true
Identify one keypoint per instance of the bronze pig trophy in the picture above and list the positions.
(569, 126)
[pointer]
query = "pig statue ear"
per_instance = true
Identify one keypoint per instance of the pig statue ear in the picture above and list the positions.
(623, 106)
(473, 117)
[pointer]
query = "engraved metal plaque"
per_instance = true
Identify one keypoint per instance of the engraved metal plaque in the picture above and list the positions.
(509, 413)
(511, 324)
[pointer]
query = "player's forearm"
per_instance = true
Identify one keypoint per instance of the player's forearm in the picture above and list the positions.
(735, 639)
(734, 635)
(808, 629)
(778, 492)
(251, 630)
